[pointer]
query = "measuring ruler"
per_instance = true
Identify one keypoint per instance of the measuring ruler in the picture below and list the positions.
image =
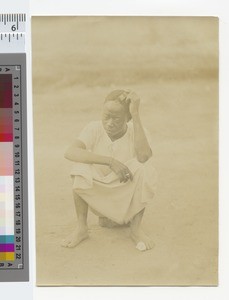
(13, 150)
(12, 33)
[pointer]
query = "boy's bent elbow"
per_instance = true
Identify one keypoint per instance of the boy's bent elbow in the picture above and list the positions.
(144, 157)
(73, 154)
(66, 155)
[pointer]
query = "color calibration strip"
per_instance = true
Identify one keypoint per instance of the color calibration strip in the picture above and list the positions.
(14, 231)
(7, 245)
(13, 169)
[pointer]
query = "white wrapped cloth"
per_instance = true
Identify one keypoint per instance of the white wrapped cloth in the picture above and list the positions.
(100, 187)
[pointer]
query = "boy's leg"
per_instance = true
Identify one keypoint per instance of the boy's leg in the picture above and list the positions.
(81, 208)
(81, 233)
(137, 234)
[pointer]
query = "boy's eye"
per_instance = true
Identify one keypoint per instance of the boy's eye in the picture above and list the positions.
(107, 117)
(117, 119)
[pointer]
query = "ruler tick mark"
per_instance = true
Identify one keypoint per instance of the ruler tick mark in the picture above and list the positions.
(17, 21)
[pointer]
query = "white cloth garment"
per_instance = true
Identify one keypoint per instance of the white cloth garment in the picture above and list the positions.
(100, 187)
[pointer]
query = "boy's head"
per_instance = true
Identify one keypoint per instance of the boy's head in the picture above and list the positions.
(116, 112)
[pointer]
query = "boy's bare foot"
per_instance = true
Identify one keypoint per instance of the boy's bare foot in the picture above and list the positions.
(75, 238)
(141, 239)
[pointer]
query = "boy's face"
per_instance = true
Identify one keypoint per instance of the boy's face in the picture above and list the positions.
(114, 118)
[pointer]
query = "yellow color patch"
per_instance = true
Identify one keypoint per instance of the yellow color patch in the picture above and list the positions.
(6, 256)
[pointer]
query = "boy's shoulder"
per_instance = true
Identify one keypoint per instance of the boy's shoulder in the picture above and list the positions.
(95, 123)
(95, 127)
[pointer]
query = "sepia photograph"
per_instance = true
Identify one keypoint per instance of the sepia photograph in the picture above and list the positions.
(125, 113)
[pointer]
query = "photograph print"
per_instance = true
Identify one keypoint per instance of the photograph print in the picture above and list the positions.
(125, 116)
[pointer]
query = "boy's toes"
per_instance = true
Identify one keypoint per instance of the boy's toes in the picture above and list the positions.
(71, 244)
(150, 245)
(64, 243)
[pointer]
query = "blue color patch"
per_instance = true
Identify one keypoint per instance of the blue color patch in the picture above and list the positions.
(6, 239)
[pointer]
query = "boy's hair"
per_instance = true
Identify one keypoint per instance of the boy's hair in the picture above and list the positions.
(120, 97)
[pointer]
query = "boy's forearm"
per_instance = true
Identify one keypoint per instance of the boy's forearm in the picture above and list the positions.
(84, 156)
(141, 144)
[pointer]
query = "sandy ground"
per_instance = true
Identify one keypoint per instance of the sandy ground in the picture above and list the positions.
(180, 109)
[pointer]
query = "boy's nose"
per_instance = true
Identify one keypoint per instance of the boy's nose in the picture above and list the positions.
(110, 123)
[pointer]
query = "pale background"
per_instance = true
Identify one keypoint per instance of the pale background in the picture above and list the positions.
(172, 63)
